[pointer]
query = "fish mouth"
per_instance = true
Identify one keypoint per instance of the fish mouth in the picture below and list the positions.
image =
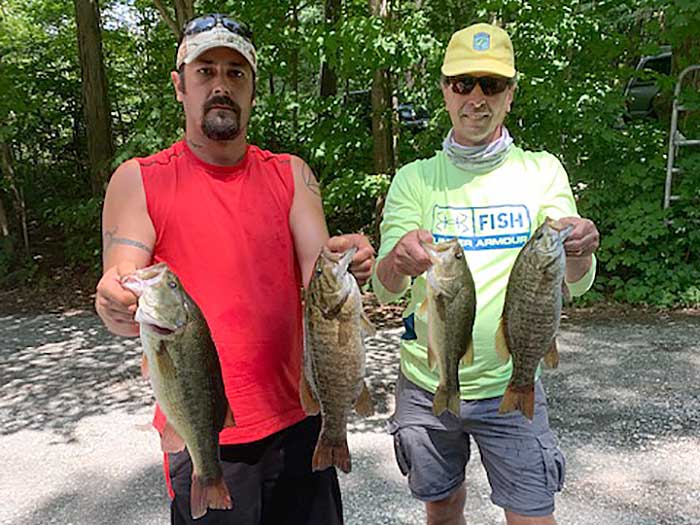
(152, 324)
(159, 330)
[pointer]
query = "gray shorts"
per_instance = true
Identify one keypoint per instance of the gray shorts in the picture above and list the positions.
(524, 466)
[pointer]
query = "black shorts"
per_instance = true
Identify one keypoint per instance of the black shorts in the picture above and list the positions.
(270, 481)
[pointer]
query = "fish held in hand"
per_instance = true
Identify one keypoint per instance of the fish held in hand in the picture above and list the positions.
(531, 314)
(332, 381)
(181, 361)
(450, 305)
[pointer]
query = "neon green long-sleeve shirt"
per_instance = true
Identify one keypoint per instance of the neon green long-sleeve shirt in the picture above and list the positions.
(493, 215)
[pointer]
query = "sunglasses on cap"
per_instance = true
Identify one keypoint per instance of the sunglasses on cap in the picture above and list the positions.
(209, 22)
(463, 85)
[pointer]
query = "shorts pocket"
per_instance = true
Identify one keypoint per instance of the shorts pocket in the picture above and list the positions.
(554, 462)
(401, 457)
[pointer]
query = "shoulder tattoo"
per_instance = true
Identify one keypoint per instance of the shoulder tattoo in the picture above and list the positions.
(310, 180)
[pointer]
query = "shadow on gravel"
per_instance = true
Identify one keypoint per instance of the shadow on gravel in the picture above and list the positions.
(140, 499)
(58, 369)
(626, 383)
(381, 373)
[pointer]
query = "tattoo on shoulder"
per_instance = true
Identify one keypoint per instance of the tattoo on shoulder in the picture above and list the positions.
(310, 180)
(110, 238)
(193, 145)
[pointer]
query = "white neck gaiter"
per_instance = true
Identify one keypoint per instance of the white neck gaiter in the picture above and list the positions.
(478, 159)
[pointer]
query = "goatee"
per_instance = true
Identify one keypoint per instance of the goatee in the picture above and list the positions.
(221, 124)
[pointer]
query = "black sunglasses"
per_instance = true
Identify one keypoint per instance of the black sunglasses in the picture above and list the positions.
(209, 22)
(463, 85)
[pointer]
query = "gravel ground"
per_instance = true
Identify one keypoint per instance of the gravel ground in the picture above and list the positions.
(625, 404)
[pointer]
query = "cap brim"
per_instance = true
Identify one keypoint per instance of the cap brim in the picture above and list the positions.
(465, 67)
(202, 48)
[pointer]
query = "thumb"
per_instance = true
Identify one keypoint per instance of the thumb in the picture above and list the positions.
(340, 243)
(425, 236)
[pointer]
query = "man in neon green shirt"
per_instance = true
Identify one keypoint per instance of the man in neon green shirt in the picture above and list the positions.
(491, 195)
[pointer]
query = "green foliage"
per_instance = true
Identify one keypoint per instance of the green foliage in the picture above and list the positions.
(79, 221)
(350, 202)
(573, 58)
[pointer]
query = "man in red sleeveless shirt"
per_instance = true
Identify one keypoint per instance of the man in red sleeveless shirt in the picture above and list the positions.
(241, 227)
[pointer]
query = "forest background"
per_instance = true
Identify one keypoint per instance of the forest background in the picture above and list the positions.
(351, 86)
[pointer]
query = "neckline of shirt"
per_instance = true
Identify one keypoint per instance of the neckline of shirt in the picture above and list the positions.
(216, 169)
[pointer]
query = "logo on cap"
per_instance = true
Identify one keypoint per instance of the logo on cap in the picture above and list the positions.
(482, 41)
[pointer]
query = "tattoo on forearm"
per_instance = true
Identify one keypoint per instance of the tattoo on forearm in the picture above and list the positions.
(310, 180)
(110, 239)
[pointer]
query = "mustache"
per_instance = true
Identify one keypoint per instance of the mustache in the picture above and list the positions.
(221, 100)
(474, 110)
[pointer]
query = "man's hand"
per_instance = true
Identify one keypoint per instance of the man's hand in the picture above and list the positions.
(363, 260)
(579, 246)
(115, 304)
(407, 258)
(583, 240)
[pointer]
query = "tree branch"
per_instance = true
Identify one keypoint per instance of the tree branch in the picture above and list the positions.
(168, 20)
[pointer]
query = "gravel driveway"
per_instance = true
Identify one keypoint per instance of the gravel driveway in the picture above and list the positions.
(625, 404)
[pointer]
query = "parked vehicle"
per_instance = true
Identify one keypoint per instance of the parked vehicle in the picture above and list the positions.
(643, 87)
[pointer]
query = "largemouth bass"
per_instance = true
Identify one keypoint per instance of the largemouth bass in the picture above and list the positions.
(531, 314)
(184, 370)
(450, 304)
(332, 381)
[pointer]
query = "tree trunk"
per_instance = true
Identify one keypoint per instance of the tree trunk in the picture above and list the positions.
(94, 86)
(4, 224)
(17, 196)
(382, 121)
(329, 79)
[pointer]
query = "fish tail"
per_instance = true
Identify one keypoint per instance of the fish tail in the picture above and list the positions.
(328, 454)
(445, 400)
(208, 495)
(519, 398)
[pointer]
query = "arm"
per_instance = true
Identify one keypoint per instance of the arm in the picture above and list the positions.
(583, 240)
(306, 218)
(400, 254)
(310, 232)
(406, 259)
(128, 238)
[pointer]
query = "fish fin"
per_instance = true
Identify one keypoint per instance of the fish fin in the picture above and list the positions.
(444, 400)
(468, 358)
(229, 420)
(144, 366)
(165, 365)
(565, 292)
(212, 495)
(364, 405)
(170, 440)
(551, 358)
(432, 357)
(423, 308)
(366, 326)
(328, 454)
(306, 396)
(501, 343)
(522, 399)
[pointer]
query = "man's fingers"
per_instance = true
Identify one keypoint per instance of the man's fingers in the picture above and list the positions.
(342, 243)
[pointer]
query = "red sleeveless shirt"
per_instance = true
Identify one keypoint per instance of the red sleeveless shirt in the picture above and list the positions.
(225, 233)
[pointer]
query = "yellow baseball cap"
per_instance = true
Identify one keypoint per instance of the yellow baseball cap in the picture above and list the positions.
(482, 48)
